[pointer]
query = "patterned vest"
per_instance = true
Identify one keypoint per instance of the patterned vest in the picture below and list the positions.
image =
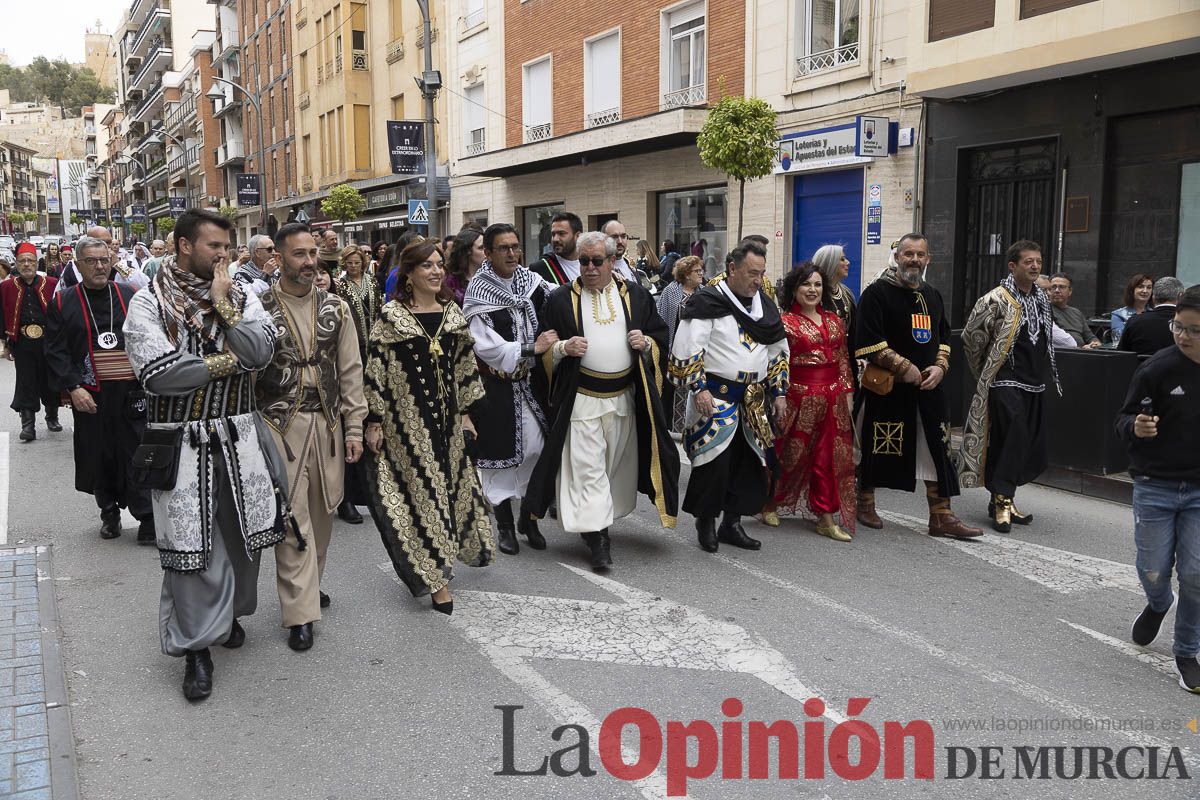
(279, 386)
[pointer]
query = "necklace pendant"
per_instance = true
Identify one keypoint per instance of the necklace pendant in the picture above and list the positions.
(107, 340)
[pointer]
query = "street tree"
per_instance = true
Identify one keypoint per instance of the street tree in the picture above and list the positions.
(344, 203)
(164, 225)
(738, 138)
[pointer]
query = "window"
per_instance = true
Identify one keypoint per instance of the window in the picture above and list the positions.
(398, 107)
(830, 37)
(304, 72)
(358, 40)
(602, 80)
(955, 17)
(535, 229)
(474, 13)
(475, 119)
(362, 137)
(284, 108)
(689, 216)
(1187, 260)
(341, 138)
(686, 51)
(536, 99)
(479, 218)
(271, 113)
(306, 155)
(397, 15)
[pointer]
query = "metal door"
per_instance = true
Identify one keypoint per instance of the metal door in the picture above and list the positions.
(1010, 192)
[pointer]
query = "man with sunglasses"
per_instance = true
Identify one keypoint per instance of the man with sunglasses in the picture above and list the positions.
(1160, 421)
(260, 272)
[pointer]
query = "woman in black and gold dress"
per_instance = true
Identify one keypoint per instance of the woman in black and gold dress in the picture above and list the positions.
(421, 381)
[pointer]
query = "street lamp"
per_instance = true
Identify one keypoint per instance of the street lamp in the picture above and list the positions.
(158, 137)
(214, 93)
(429, 82)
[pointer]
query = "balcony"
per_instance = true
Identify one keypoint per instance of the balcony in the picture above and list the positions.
(157, 172)
(306, 183)
(301, 19)
(179, 112)
(433, 34)
(826, 60)
(305, 100)
(229, 43)
(160, 207)
(337, 63)
(159, 59)
(537, 133)
(395, 51)
(232, 151)
(606, 117)
(156, 22)
(691, 96)
(477, 142)
(473, 19)
(185, 160)
(358, 60)
(232, 101)
(152, 103)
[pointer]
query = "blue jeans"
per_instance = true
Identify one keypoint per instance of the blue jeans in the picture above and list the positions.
(1166, 515)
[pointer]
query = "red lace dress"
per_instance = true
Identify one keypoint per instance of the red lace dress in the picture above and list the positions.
(816, 446)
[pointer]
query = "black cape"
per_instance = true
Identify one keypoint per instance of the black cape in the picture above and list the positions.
(658, 457)
(710, 302)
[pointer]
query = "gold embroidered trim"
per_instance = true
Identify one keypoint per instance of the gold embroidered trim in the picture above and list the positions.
(862, 352)
(221, 365)
(228, 312)
(889, 439)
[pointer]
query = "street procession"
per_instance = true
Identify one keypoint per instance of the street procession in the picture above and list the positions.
(822, 427)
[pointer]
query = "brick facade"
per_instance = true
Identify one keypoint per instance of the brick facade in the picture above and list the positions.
(534, 28)
(266, 59)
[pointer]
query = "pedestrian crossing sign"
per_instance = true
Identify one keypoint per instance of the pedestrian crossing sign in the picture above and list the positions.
(418, 212)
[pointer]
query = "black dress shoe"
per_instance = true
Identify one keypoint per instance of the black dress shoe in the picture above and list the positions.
(706, 533)
(146, 534)
(506, 537)
(325, 601)
(197, 674)
(528, 527)
(237, 636)
(301, 637)
(28, 432)
(446, 608)
(110, 523)
(735, 535)
(52, 424)
(600, 545)
(348, 513)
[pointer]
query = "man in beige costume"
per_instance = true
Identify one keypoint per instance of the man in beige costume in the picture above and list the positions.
(311, 395)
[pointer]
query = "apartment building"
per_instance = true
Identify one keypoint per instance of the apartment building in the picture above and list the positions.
(355, 68)
(1071, 122)
(593, 112)
(18, 189)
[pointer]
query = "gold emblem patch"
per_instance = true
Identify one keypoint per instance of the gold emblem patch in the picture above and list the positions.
(889, 438)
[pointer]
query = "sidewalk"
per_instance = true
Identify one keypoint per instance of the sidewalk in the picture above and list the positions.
(37, 760)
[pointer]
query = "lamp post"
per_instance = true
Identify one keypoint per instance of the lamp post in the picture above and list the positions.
(214, 93)
(161, 136)
(429, 82)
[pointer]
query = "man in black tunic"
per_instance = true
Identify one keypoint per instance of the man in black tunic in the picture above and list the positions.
(501, 305)
(905, 434)
(85, 349)
(24, 300)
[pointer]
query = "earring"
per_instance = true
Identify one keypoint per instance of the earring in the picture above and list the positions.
(408, 287)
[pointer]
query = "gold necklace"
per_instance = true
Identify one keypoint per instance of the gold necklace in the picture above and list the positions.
(612, 310)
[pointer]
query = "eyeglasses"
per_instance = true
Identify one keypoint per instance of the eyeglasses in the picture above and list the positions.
(596, 261)
(92, 262)
(268, 249)
(1059, 288)
(1190, 331)
(507, 248)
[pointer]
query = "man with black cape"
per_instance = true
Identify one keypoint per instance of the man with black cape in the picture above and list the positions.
(608, 437)
(731, 356)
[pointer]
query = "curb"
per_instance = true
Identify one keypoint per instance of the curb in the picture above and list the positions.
(64, 779)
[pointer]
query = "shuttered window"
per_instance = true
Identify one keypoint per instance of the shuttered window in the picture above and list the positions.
(602, 74)
(1032, 8)
(955, 17)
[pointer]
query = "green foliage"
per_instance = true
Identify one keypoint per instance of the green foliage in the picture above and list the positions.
(76, 219)
(164, 225)
(137, 229)
(55, 82)
(229, 212)
(344, 203)
(738, 138)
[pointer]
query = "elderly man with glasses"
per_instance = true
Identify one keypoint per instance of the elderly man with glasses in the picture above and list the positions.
(1066, 316)
(261, 271)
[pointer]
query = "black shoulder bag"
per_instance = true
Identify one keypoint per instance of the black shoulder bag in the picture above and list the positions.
(156, 459)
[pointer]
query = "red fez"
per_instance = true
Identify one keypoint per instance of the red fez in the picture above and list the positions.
(26, 247)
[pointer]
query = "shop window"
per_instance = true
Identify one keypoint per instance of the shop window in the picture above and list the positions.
(829, 36)
(695, 220)
(535, 229)
(685, 57)
(479, 218)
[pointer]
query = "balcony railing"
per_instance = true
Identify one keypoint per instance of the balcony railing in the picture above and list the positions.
(304, 101)
(826, 60)
(159, 207)
(179, 112)
(232, 150)
(160, 14)
(433, 34)
(473, 18)
(320, 73)
(158, 50)
(337, 63)
(691, 96)
(537, 133)
(306, 183)
(477, 142)
(395, 51)
(606, 117)
(358, 60)
(230, 41)
(301, 19)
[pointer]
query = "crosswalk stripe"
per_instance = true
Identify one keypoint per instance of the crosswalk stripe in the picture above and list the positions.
(1163, 663)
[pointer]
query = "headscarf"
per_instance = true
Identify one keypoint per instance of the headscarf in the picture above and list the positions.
(1036, 319)
(185, 301)
(488, 292)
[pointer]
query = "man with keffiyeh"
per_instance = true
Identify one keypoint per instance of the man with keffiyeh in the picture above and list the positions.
(195, 340)
(501, 306)
(1007, 345)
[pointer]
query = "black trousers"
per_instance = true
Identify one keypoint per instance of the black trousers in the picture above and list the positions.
(33, 388)
(104, 443)
(735, 482)
(1016, 451)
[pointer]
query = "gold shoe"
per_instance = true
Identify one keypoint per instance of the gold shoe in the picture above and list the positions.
(1002, 514)
(834, 532)
(771, 519)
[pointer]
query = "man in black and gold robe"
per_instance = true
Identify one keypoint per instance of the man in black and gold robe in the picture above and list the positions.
(608, 437)
(905, 434)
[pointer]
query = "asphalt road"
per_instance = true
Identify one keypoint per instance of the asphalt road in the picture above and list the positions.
(398, 701)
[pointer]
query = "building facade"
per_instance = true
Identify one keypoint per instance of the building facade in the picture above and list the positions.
(18, 188)
(1070, 122)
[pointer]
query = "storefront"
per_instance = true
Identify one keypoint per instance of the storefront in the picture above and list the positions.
(696, 220)
(1103, 170)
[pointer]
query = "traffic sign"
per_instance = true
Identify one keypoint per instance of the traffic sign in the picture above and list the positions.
(418, 212)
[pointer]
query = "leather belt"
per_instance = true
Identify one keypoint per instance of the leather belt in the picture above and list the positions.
(310, 400)
(520, 374)
(33, 331)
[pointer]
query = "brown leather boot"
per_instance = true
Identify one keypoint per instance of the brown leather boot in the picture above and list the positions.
(946, 524)
(866, 510)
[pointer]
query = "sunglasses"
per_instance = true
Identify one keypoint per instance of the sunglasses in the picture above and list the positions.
(596, 261)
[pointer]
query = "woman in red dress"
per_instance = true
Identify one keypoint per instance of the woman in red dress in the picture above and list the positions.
(815, 444)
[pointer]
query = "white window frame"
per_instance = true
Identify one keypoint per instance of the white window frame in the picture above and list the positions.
(593, 116)
(842, 54)
(670, 17)
(475, 139)
(526, 122)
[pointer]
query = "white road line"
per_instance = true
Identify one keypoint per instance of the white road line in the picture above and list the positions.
(4, 475)
(917, 642)
(1160, 662)
(1058, 570)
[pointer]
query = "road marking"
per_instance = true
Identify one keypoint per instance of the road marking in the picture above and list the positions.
(1058, 570)
(4, 475)
(1160, 662)
(919, 643)
(642, 629)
